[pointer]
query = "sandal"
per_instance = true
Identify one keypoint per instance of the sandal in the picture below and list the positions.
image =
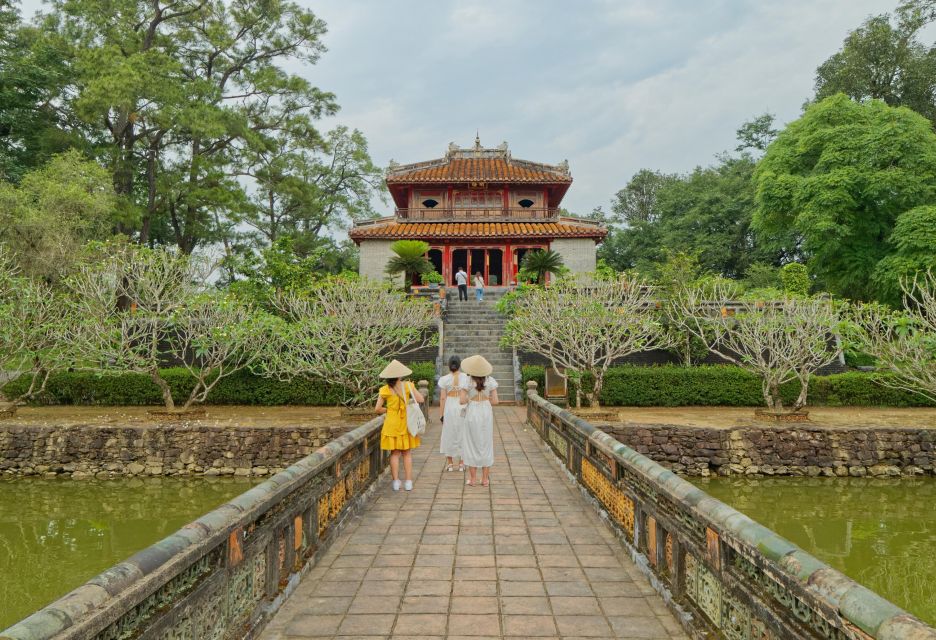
(461, 468)
(486, 483)
(448, 468)
(468, 483)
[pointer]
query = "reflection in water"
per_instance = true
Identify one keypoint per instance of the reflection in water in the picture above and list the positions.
(55, 534)
(879, 532)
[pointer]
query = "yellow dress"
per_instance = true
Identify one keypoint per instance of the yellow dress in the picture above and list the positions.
(394, 434)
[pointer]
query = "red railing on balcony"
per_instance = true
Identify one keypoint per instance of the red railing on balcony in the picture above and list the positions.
(440, 214)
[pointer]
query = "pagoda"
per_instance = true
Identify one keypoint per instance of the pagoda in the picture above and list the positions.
(480, 209)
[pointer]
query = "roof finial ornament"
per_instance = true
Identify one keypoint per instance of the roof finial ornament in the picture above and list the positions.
(477, 141)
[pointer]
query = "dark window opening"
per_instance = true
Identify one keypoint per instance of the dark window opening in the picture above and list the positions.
(526, 203)
(430, 203)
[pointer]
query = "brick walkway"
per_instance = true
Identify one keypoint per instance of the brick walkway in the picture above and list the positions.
(527, 557)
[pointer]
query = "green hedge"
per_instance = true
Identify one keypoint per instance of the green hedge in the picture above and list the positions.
(714, 385)
(242, 387)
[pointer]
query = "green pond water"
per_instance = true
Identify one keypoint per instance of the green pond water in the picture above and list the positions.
(57, 534)
(881, 533)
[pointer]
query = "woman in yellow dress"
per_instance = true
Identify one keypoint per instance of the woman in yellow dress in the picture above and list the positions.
(394, 436)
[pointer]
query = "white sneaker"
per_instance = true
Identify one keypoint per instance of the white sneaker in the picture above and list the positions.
(396, 485)
(408, 485)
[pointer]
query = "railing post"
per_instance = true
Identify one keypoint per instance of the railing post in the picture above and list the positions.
(423, 386)
(531, 387)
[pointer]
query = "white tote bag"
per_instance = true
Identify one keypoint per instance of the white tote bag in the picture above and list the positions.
(415, 420)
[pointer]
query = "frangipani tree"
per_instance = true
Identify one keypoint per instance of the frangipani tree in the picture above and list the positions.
(343, 331)
(142, 309)
(780, 341)
(585, 329)
(904, 342)
(32, 330)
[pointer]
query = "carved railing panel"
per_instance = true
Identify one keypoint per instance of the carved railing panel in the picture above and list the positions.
(219, 576)
(727, 575)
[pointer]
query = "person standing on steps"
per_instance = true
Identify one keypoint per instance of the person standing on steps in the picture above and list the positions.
(394, 436)
(476, 401)
(453, 424)
(461, 279)
(479, 287)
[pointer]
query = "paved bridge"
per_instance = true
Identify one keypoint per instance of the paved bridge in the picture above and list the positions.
(324, 549)
(526, 557)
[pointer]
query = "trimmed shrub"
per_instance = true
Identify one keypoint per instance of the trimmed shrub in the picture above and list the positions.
(243, 387)
(725, 385)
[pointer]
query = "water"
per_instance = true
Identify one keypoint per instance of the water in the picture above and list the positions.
(55, 534)
(881, 533)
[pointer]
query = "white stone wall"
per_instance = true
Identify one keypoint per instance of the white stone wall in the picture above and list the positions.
(374, 255)
(578, 254)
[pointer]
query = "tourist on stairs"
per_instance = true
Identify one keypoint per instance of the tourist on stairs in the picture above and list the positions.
(476, 401)
(479, 287)
(453, 424)
(394, 436)
(461, 279)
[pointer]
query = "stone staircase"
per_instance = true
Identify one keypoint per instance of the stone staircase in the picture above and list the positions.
(474, 327)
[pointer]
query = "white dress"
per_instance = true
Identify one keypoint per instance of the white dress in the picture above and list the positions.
(478, 447)
(453, 424)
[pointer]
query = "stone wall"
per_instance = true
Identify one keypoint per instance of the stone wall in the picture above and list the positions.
(86, 451)
(578, 254)
(789, 450)
(374, 255)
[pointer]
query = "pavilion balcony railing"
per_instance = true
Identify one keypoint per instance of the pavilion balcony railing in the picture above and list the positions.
(495, 214)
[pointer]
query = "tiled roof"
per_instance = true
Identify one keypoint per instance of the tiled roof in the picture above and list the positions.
(478, 164)
(390, 229)
(481, 170)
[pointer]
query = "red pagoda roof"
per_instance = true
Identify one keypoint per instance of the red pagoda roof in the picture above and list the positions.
(391, 229)
(478, 164)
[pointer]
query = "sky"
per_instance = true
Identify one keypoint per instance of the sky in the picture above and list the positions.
(612, 86)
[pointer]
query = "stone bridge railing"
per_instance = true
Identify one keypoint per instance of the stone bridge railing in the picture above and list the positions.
(725, 575)
(223, 575)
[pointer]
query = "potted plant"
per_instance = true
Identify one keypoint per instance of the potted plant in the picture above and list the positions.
(433, 279)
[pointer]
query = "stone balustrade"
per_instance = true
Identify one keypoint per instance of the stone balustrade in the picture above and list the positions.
(226, 573)
(725, 575)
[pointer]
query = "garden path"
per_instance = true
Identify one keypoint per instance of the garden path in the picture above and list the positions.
(527, 557)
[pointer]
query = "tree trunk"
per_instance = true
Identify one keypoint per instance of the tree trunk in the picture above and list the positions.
(164, 389)
(594, 398)
(803, 394)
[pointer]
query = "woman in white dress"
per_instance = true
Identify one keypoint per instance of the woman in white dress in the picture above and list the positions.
(478, 443)
(453, 423)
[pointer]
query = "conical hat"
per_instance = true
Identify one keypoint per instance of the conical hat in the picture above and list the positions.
(395, 369)
(477, 366)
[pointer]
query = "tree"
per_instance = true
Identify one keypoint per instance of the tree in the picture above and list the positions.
(140, 309)
(183, 95)
(32, 330)
(53, 212)
(33, 70)
(536, 264)
(795, 279)
(911, 244)
(883, 61)
(584, 330)
(343, 332)
(840, 177)
(756, 134)
(903, 342)
(637, 202)
(779, 341)
(410, 260)
(706, 212)
(304, 187)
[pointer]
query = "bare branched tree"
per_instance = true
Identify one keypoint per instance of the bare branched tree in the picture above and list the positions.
(780, 341)
(584, 330)
(32, 331)
(343, 331)
(903, 342)
(139, 310)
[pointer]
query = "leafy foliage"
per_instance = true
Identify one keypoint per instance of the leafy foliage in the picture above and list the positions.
(841, 176)
(795, 279)
(536, 264)
(410, 259)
